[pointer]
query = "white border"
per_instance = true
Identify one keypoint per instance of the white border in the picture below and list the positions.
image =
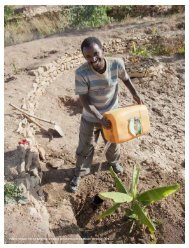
(86, 2)
(94, 2)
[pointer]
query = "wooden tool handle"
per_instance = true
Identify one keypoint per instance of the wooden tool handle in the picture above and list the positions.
(29, 118)
(22, 111)
(36, 123)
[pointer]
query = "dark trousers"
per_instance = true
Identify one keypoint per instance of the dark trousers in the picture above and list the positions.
(88, 135)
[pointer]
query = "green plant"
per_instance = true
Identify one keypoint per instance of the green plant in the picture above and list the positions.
(138, 201)
(88, 16)
(8, 13)
(181, 50)
(12, 193)
(166, 46)
(141, 51)
(119, 12)
(154, 31)
(126, 8)
(161, 49)
(15, 71)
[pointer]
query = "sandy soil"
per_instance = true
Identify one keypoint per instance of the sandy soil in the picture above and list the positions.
(160, 153)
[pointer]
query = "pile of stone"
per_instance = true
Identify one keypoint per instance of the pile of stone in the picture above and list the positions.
(46, 74)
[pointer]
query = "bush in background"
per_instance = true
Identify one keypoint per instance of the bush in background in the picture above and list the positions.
(88, 16)
(8, 13)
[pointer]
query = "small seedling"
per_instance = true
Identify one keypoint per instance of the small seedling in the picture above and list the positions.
(138, 201)
(141, 51)
(154, 31)
(181, 50)
(15, 71)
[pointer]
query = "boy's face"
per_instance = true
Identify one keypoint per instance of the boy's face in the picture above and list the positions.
(94, 56)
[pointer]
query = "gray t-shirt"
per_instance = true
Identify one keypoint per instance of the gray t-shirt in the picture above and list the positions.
(102, 89)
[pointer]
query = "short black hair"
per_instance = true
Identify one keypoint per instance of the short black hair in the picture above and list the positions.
(89, 41)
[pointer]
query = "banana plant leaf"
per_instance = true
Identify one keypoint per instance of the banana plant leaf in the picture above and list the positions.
(156, 194)
(143, 218)
(134, 182)
(131, 214)
(119, 184)
(108, 212)
(117, 197)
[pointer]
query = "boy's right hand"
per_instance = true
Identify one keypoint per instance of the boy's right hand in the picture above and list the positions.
(105, 123)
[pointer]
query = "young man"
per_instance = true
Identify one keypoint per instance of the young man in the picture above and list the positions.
(96, 83)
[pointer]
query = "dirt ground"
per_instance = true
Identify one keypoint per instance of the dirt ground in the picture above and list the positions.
(160, 153)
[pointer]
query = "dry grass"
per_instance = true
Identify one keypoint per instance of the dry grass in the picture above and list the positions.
(41, 26)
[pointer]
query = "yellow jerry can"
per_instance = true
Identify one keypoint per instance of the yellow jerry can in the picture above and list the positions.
(127, 123)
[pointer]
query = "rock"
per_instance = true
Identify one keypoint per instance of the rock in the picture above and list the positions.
(34, 181)
(183, 164)
(40, 70)
(40, 192)
(22, 188)
(24, 180)
(32, 73)
(132, 240)
(33, 211)
(13, 171)
(42, 153)
(141, 241)
(67, 179)
(55, 163)
(118, 40)
(11, 78)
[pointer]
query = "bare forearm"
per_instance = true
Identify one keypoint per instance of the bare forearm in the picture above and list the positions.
(95, 112)
(130, 86)
(89, 107)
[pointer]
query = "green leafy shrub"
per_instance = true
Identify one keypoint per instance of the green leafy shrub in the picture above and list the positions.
(88, 16)
(138, 201)
(14, 68)
(12, 193)
(160, 45)
(141, 51)
(181, 50)
(119, 12)
(8, 12)
(161, 50)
